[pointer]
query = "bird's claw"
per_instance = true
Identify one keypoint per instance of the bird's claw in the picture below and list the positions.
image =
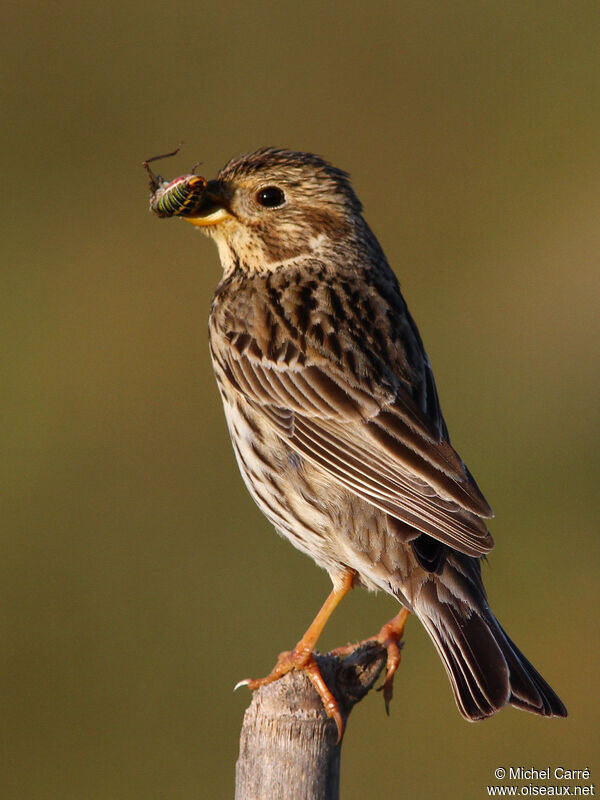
(303, 660)
(390, 636)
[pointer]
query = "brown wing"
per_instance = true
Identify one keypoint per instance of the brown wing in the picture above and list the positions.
(371, 438)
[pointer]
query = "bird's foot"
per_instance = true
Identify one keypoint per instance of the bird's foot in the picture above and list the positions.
(303, 659)
(390, 637)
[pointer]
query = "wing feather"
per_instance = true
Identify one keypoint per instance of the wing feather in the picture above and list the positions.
(376, 443)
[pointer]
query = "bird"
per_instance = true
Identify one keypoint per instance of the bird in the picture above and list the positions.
(336, 425)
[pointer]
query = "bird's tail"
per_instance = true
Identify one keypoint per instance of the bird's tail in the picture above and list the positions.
(486, 670)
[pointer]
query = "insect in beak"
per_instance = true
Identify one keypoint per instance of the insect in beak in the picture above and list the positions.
(189, 196)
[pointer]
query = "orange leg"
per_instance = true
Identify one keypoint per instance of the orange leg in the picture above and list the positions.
(389, 636)
(302, 658)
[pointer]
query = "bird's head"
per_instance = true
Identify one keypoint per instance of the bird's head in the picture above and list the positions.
(272, 205)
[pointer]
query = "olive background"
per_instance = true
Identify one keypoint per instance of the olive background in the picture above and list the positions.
(138, 582)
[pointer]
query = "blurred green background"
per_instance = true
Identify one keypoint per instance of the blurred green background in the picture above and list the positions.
(138, 581)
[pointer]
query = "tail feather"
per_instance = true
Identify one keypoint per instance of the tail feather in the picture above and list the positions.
(487, 671)
(524, 677)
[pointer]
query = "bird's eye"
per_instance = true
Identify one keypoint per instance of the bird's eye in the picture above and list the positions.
(270, 197)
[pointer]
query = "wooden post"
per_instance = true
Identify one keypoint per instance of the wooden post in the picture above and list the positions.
(288, 747)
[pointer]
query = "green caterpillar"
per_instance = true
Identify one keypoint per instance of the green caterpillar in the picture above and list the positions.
(180, 197)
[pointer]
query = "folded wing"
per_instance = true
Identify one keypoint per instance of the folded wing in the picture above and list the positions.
(378, 444)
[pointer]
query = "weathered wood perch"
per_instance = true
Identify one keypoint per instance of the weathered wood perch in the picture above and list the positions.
(288, 747)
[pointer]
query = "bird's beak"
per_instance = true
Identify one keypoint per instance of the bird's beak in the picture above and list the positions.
(214, 207)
